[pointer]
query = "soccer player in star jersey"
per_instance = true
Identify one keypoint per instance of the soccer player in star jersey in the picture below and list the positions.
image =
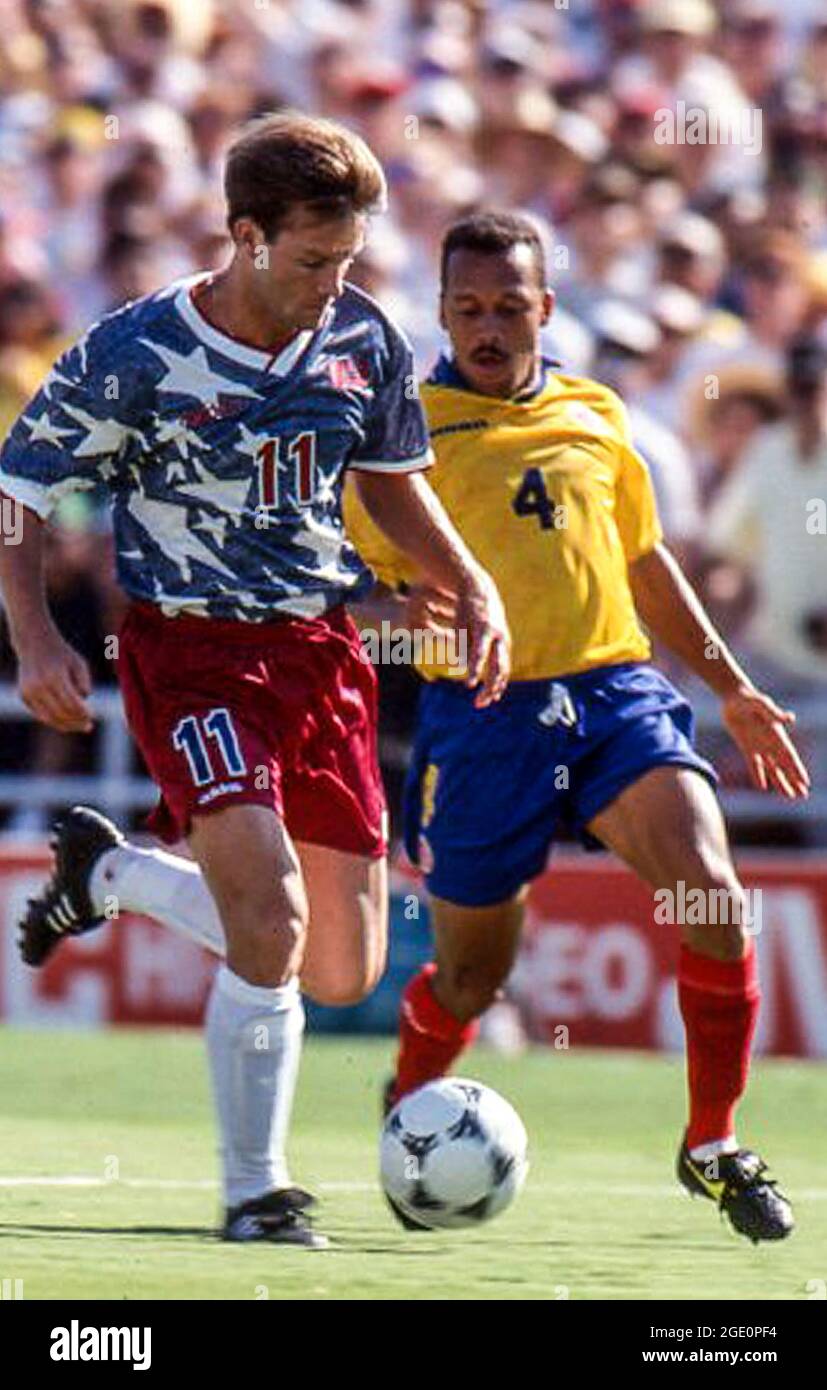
(221, 414)
(537, 471)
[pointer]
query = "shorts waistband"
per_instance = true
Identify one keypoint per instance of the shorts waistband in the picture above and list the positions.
(234, 630)
(517, 691)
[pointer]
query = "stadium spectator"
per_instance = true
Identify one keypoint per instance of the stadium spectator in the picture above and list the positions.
(690, 252)
(626, 341)
(769, 520)
(752, 45)
(721, 427)
(679, 317)
(30, 340)
(601, 234)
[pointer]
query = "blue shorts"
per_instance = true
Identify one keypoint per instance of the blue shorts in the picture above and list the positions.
(488, 789)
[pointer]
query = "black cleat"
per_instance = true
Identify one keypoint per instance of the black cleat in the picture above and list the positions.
(278, 1217)
(755, 1207)
(64, 907)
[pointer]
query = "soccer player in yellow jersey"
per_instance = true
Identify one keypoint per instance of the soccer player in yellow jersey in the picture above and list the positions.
(538, 473)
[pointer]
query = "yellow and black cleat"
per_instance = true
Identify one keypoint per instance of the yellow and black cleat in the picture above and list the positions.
(737, 1183)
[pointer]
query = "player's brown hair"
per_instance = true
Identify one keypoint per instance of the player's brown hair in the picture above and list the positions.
(286, 158)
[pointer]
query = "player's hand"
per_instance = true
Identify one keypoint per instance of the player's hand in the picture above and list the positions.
(53, 682)
(427, 608)
(481, 615)
(759, 727)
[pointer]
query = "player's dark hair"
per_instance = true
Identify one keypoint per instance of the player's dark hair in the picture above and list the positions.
(285, 158)
(490, 233)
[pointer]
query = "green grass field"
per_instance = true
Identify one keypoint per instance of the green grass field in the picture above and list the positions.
(599, 1218)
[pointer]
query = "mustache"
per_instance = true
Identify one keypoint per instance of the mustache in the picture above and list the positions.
(488, 350)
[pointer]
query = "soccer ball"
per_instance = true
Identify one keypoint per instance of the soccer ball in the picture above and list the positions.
(453, 1153)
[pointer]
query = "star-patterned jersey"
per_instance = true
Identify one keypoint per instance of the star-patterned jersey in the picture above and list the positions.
(225, 464)
(552, 499)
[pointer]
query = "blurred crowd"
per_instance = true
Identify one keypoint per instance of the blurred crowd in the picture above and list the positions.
(673, 152)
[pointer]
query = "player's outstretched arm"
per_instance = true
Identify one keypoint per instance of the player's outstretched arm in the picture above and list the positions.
(53, 679)
(410, 514)
(672, 611)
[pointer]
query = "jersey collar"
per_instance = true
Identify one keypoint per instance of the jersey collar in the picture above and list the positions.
(278, 364)
(447, 373)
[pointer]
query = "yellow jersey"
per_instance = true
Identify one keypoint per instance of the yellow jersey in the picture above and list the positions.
(552, 499)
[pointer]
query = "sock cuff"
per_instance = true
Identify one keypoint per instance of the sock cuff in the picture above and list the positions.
(274, 998)
(425, 1014)
(733, 977)
(713, 1148)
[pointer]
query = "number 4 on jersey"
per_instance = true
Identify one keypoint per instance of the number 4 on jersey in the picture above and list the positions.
(532, 499)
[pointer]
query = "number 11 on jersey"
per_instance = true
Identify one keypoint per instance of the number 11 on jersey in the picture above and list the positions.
(274, 490)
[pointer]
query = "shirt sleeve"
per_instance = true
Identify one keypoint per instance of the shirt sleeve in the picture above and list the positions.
(69, 436)
(396, 434)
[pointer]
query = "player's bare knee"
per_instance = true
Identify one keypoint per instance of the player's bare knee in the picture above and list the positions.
(270, 913)
(340, 991)
(367, 980)
(338, 994)
(266, 930)
(349, 984)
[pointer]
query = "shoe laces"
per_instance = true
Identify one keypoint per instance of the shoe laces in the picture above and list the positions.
(288, 1207)
(747, 1170)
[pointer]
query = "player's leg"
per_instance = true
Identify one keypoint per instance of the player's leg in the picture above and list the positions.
(348, 924)
(255, 1020)
(166, 887)
(347, 930)
(99, 875)
(667, 826)
(346, 943)
(480, 807)
(474, 950)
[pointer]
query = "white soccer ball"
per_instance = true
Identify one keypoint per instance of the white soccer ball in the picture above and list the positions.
(453, 1153)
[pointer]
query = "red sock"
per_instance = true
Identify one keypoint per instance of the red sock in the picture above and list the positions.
(719, 1003)
(429, 1037)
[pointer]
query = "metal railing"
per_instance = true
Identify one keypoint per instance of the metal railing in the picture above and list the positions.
(113, 787)
(116, 789)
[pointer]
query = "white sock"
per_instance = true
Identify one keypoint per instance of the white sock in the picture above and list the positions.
(164, 886)
(254, 1037)
(714, 1148)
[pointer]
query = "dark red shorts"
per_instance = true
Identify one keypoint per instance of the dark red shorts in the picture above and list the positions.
(279, 714)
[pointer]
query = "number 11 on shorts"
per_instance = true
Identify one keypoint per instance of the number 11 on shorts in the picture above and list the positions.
(190, 736)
